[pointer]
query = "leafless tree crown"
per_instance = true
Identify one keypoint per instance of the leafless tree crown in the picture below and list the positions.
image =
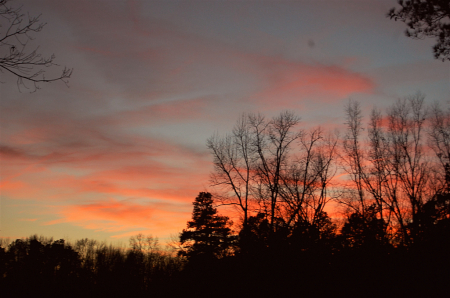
(16, 57)
(271, 167)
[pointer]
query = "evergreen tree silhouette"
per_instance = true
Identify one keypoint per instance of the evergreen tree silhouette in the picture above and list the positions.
(208, 234)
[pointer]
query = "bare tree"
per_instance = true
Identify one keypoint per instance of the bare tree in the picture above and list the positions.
(152, 244)
(377, 176)
(393, 173)
(405, 135)
(271, 168)
(273, 140)
(137, 242)
(28, 65)
(440, 142)
(234, 160)
(249, 163)
(305, 183)
(353, 153)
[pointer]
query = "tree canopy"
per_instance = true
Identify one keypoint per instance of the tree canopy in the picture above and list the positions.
(426, 18)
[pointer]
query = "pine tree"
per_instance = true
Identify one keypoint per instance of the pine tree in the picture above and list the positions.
(208, 234)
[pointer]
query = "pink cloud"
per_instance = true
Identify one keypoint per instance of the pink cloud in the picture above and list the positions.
(150, 181)
(289, 82)
(81, 160)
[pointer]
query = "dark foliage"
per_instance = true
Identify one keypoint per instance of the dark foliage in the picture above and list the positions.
(208, 235)
(315, 260)
(31, 266)
(427, 18)
(37, 265)
(365, 231)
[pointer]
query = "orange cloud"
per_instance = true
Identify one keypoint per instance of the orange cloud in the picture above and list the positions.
(122, 216)
(11, 185)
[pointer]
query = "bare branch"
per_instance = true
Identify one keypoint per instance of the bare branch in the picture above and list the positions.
(15, 58)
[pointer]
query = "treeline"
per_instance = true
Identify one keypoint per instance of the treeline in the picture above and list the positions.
(86, 268)
(314, 259)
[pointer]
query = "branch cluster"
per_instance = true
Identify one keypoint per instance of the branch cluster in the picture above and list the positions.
(394, 177)
(394, 172)
(427, 18)
(269, 168)
(16, 58)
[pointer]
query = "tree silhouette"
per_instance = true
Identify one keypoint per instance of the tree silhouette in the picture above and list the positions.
(28, 65)
(393, 172)
(426, 18)
(366, 231)
(37, 264)
(254, 237)
(208, 234)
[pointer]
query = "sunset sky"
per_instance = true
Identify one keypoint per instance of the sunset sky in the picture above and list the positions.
(122, 150)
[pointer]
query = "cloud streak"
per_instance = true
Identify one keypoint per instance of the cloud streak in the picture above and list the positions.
(120, 216)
